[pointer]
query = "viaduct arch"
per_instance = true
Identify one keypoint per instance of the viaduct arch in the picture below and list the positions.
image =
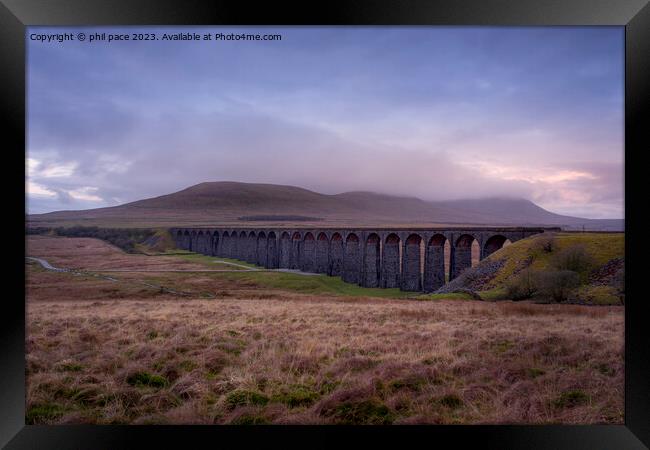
(408, 259)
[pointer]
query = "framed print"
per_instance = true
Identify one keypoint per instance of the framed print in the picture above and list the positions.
(368, 219)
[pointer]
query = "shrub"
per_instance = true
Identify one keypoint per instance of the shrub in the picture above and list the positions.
(557, 285)
(574, 258)
(522, 286)
(546, 242)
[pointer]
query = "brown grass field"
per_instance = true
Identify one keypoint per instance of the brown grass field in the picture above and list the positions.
(236, 351)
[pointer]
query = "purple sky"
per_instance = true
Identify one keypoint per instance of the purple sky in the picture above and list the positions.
(431, 112)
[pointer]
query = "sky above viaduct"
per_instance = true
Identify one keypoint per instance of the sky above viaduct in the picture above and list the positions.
(432, 112)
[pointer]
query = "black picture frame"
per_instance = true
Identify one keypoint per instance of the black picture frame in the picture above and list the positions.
(634, 15)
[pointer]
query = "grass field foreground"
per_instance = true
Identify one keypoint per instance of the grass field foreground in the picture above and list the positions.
(117, 352)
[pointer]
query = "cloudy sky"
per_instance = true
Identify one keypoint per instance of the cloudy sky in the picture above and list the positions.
(431, 112)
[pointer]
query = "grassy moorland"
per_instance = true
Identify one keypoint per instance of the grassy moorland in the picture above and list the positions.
(260, 347)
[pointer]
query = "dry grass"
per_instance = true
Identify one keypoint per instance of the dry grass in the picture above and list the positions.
(93, 254)
(103, 352)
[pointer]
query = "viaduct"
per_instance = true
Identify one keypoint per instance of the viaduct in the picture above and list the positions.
(409, 259)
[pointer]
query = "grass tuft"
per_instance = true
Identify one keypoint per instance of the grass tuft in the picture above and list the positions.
(250, 419)
(71, 367)
(245, 397)
(365, 412)
(296, 396)
(451, 401)
(534, 372)
(43, 413)
(570, 399)
(140, 379)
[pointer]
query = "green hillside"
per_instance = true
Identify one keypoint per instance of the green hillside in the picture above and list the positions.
(566, 267)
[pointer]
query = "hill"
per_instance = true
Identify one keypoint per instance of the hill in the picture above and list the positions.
(222, 203)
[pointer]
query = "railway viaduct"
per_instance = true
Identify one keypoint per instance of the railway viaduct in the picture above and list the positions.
(409, 259)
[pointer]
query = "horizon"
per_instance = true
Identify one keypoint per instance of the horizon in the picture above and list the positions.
(435, 113)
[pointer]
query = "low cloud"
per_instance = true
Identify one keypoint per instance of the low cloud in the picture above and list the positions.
(263, 149)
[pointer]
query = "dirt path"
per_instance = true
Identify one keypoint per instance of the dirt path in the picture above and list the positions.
(234, 264)
(250, 269)
(46, 265)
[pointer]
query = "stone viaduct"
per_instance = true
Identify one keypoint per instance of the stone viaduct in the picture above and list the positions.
(409, 259)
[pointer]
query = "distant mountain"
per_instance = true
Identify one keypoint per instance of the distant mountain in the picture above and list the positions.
(220, 203)
(525, 212)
